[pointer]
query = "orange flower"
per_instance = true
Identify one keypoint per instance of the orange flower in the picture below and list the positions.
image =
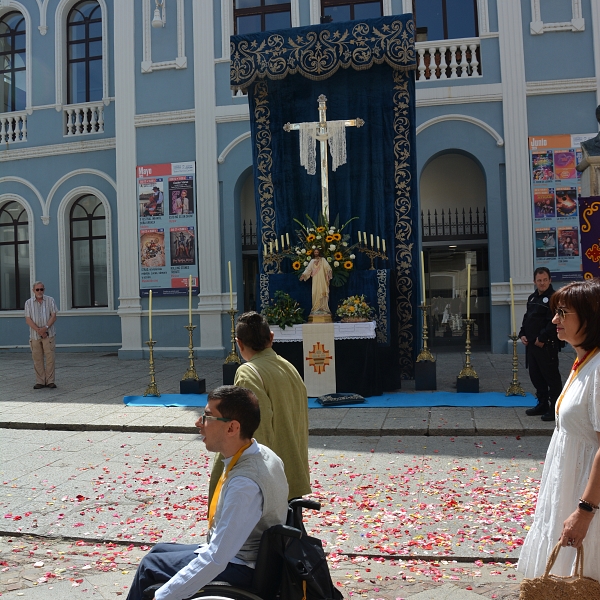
(310, 237)
(338, 256)
(337, 237)
(348, 265)
(329, 239)
(296, 265)
(309, 252)
(320, 229)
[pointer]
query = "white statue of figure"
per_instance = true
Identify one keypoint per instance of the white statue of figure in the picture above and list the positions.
(320, 271)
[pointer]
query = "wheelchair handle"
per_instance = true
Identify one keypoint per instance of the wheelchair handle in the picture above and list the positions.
(286, 530)
(304, 503)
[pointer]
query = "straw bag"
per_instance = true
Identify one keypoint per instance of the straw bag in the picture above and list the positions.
(555, 587)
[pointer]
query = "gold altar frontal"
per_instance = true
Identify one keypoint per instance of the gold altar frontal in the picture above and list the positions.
(320, 319)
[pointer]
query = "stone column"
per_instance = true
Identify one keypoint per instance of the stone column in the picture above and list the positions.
(130, 309)
(208, 214)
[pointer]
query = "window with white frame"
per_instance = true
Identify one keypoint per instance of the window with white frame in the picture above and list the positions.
(334, 11)
(13, 96)
(14, 256)
(445, 19)
(251, 16)
(87, 224)
(84, 53)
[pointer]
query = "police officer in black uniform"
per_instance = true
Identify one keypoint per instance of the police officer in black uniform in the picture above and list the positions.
(538, 334)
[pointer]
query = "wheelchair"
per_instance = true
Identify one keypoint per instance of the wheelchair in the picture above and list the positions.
(267, 576)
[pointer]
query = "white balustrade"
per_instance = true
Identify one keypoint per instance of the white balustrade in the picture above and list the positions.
(437, 61)
(83, 119)
(13, 127)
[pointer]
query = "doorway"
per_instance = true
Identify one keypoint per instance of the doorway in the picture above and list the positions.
(446, 288)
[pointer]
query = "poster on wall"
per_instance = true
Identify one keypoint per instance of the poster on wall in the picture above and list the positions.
(555, 191)
(167, 228)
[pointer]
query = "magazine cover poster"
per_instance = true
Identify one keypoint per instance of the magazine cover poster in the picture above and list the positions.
(181, 195)
(542, 166)
(152, 247)
(568, 241)
(183, 246)
(566, 202)
(544, 203)
(545, 242)
(151, 197)
(564, 164)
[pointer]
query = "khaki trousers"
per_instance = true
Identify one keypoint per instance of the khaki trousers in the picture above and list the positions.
(41, 349)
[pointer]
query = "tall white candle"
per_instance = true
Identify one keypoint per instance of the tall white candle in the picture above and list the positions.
(423, 277)
(371, 240)
(150, 315)
(383, 244)
(365, 238)
(512, 308)
(469, 291)
(282, 242)
(265, 249)
(190, 299)
(230, 286)
(287, 239)
(276, 245)
(359, 240)
(271, 247)
(377, 242)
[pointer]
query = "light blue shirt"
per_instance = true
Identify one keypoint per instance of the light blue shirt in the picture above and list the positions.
(242, 510)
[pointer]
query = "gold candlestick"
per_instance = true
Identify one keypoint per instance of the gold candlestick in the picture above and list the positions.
(232, 357)
(191, 370)
(468, 370)
(276, 257)
(425, 354)
(152, 389)
(372, 254)
(515, 389)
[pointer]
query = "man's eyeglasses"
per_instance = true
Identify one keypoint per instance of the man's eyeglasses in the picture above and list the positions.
(206, 417)
(562, 313)
(39, 289)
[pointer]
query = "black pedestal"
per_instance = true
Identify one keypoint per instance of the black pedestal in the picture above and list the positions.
(191, 386)
(425, 375)
(229, 370)
(467, 385)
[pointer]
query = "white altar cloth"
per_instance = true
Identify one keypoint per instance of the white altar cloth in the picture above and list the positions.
(341, 331)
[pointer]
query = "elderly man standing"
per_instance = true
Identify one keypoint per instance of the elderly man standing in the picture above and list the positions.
(40, 315)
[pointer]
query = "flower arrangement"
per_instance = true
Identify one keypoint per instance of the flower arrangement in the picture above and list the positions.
(284, 311)
(333, 244)
(354, 308)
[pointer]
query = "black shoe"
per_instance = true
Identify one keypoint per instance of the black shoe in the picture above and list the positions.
(549, 416)
(51, 385)
(541, 408)
(38, 386)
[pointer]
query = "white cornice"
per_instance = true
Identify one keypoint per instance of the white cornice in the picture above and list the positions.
(459, 94)
(165, 118)
(561, 86)
(58, 149)
(232, 113)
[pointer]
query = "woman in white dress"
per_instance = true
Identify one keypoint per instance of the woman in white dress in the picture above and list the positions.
(570, 488)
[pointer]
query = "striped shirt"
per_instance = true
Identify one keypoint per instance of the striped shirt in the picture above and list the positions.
(40, 313)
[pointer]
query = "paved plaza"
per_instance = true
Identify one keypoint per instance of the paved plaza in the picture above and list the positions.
(424, 503)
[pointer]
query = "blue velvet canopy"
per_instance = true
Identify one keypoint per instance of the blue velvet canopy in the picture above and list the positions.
(366, 70)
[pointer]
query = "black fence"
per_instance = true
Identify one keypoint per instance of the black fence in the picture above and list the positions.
(248, 237)
(449, 225)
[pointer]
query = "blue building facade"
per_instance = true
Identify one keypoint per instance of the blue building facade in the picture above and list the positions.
(93, 89)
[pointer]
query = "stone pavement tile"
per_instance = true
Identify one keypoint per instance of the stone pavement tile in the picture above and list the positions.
(448, 591)
(451, 421)
(404, 426)
(358, 422)
(535, 425)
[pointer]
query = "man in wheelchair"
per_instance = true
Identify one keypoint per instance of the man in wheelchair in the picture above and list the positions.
(251, 497)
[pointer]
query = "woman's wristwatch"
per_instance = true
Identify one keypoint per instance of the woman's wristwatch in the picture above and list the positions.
(587, 506)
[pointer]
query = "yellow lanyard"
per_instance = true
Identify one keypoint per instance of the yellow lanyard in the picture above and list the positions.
(577, 366)
(215, 499)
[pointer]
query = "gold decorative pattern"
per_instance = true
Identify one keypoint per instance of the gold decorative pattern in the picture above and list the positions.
(264, 167)
(319, 358)
(588, 212)
(317, 52)
(382, 317)
(403, 227)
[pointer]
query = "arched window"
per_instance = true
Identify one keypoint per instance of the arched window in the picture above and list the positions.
(84, 53)
(88, 253)
(14, 257)
(251, 16)
(12, 62)
(350, 10)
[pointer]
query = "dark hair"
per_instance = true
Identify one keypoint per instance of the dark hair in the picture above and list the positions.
(253, 331)
(238, 404)
(540, 271)
(584, 298)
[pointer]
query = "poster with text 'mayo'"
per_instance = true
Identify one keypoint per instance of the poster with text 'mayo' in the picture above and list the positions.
(166, 207)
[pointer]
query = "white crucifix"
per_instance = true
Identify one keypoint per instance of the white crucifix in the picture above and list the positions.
(324, 131)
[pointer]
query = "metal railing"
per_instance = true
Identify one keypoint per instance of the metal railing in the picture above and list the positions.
(449, 225)
(248, 237)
